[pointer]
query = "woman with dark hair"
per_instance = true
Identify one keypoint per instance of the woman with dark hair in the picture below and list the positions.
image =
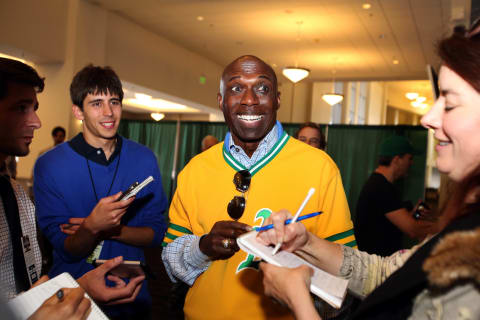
(438, 279)
(311, 134)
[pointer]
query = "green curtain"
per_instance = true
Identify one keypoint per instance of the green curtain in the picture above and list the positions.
(191, 135)
(355, 151)
(353, 148)
(160, 138)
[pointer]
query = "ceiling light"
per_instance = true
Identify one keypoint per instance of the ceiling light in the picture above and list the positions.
(295, 74)
(366, 6)
(332, 98)
(416, 104)
(395, 61)
(421, 99)
(142, 97)
(157, 116)
(411, 95)
(200, 18)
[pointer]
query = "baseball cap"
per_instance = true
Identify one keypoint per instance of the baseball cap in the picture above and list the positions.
(397, 145)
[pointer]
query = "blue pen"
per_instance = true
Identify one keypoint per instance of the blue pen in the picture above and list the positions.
(288, 221)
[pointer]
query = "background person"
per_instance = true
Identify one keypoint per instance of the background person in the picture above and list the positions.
(19, 85)
(382, 217)
(208, 141)
(440, 278)
(311, 134)
(77, 185)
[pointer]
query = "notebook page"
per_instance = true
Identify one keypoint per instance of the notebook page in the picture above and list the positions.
(25, 304)
(328, 287)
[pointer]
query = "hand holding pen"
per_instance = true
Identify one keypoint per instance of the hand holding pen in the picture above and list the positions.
(277, 235)
(304, 203)
(293, 236)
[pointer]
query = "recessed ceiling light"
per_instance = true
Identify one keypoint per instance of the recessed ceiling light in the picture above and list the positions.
(366, 6)
(200, 18)
(274, 65)
(411, 95)
(395, 61)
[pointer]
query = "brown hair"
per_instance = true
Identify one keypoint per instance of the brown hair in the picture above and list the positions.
(323, 142)
(461, 53)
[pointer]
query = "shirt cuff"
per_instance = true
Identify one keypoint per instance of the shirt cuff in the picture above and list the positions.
(196, 256)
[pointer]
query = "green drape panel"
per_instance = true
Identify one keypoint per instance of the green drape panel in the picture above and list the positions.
(160, 138)
(353, 148)
(355, 151)
(191, 135)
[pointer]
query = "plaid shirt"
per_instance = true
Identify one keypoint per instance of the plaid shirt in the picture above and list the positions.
(27, 219)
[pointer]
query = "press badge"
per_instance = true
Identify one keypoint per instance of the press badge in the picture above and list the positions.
(29, 257)
(96, 253)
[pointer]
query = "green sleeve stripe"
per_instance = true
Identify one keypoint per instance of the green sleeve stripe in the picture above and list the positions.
(179, 228)
(351, 243)
(170, 236)
(340, 235)
(164, 244)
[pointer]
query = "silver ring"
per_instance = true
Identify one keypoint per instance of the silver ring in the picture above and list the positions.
(226, 243)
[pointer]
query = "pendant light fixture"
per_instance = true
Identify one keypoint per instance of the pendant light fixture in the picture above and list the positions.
(296, 73)
(332, 98)
(157, 116)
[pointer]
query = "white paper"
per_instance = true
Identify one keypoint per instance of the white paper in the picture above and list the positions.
(326, 286)
(25, 304)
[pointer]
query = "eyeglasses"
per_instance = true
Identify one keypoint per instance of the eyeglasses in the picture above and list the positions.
(236, 206)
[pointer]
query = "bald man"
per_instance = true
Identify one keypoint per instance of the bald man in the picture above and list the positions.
(208, 141)
(272, 171)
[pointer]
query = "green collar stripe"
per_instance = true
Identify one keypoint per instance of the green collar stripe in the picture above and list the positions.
(269, 156)
(277, 147)
(351, 243)
(340, 235)
(170, 236)
(232, 162)
(179, 228)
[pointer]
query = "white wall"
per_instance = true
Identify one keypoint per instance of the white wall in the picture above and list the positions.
(295, 111)
(62, 36)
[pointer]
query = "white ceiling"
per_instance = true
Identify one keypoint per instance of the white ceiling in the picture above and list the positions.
(334, 34)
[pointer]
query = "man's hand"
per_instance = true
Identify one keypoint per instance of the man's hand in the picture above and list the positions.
(72, 306)
(107, 213)
(221, 242)
(94, 284)
(72, 226)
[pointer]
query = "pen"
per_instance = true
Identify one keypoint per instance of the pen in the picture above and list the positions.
(304, 203)
(288, 221)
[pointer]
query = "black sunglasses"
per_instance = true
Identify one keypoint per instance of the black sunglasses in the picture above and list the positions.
(236, 206)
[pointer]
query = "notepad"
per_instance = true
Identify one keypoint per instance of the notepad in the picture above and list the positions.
(327, 287)
(25, 304)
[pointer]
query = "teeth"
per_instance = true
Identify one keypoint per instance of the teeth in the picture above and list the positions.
(250, 117)
(107, 124)
(443, 143)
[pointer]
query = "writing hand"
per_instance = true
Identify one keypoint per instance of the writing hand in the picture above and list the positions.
(292, 236)
(72, 306)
